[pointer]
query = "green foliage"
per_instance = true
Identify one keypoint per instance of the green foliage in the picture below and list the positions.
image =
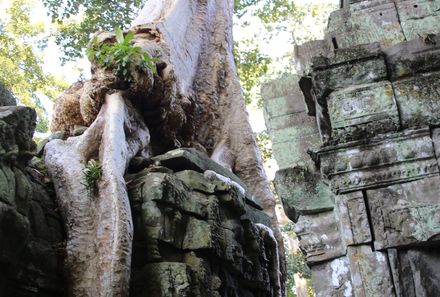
(120, 56)
(91, 175)
(78, 19)
(265, 145)
(21, 60)
(251, 65)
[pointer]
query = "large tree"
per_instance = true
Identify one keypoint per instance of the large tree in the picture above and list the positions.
(194, 99)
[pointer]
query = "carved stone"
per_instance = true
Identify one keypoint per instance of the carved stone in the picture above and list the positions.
(302, 192)
(320, 237)
(363, 111)
(406, 213)
(387, 159)
(417, 98)
(353, 218)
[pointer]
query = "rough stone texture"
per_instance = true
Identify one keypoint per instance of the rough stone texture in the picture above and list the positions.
(302, 191)
(372, 85)
(6, 97)
(291, 130)
(405, 213)
(31, 233)
(320, 237)
(353, 218)
(195, 235)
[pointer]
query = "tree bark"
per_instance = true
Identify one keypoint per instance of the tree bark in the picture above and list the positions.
(195, 100)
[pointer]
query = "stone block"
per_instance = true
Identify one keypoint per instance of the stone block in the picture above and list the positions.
(384, 160)
(14, 234)
(167, 279)
(319, 236)
(290, 120)
(347, 72)
(23, 194)
(406, 213)
(332, 278)
(294, 152)
(419, 17)
(17, 125)
(363, 111)
(290, 103)
(364, 23)
(418, 100)
(370, 274)
(7, 185)
(353, 218)
(191, 159)
(415, 271)
(199, 235)
(6, 97)
(306, 51)
(286, 84)
(196, 181)
(302, 191)
(411, 57)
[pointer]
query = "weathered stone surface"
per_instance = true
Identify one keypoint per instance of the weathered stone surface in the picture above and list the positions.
(418, 17)
(191, 159)
(306, 51)
(405, 213)
(387, 159)
(6, 97)
(302, 192)
(17, 125)
(366, 22)
(284, 85)
(415, 56)
(353, 218)
(204, 230)
(370, 275)
(418, 100)
(332, 279)
(363, 111)
(167, 280)
(320, 237)
(346, 69)
(415, 271)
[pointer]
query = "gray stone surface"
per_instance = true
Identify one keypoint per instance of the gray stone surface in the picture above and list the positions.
(193, 236)
(6, 97)
(384, 160)
(406, 213)
(319, 236)
(302, 192)
(31, 232)
(353, 218)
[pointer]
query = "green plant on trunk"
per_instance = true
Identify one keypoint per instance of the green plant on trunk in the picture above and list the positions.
(120, 56)
(92, 174)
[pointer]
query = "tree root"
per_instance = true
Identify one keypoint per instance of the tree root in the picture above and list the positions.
(98, 224)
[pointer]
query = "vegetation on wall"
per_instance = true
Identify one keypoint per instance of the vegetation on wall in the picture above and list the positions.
(120, 56)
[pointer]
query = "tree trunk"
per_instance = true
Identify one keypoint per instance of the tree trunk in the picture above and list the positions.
(194, 100)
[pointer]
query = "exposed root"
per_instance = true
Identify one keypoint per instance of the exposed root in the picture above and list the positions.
(99, 227)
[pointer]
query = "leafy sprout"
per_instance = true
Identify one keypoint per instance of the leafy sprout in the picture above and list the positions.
(121, 56)
(92, 174)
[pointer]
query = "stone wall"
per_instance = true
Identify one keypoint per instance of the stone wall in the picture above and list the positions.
(31, 234)
(198, 232)
(367, 207)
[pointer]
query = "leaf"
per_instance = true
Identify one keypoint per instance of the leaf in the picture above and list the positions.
(129, 37)
(119, 35)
